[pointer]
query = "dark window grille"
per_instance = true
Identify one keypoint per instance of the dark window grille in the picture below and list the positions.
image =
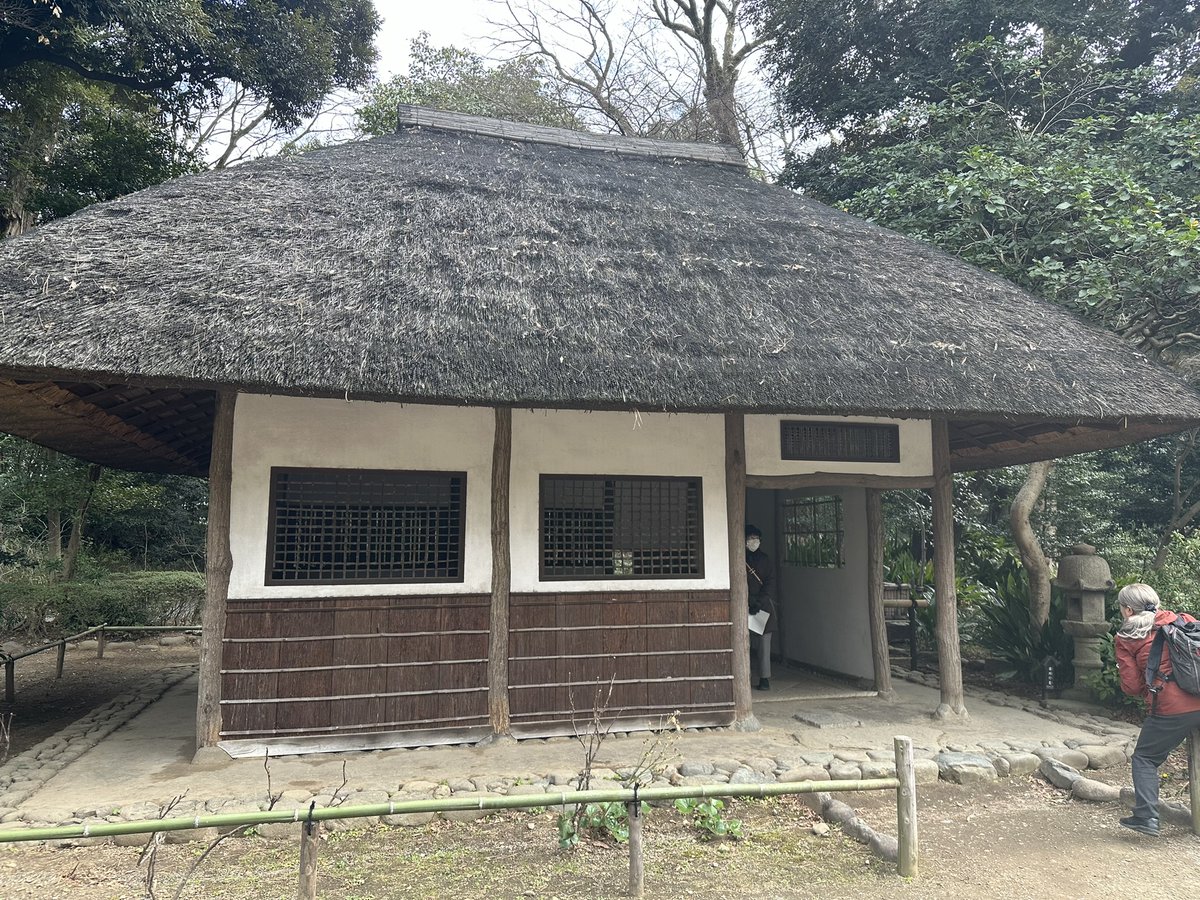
(813, 533)
(840, 441)
(630, 527)
(336, 526)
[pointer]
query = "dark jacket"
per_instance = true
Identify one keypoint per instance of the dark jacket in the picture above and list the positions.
(1132, 656)
(760, 580)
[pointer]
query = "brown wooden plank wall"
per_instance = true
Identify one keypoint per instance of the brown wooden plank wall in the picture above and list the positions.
(350, 665)
(668, 651)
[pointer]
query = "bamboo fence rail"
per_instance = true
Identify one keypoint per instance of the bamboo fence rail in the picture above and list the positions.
(101, 632)
(904, 784)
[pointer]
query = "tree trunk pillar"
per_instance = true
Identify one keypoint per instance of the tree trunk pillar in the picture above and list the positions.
(879, 640)
(498, 710)
(739, 595)
(949, 653)
(218, 566)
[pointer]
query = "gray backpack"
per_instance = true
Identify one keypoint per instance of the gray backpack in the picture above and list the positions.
(1183, 648)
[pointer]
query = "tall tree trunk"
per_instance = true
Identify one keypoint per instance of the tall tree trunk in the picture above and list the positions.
(71, 557)
(54, 548)
(1037, 567)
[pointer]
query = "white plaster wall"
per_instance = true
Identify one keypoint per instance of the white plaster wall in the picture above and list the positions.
(763, 455)
(824, 616)
(306, 432)
(567, 442)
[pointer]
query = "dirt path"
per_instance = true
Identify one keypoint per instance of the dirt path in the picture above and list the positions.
(46, 705)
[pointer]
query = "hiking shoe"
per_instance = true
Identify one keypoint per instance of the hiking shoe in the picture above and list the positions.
(1143, 826)
(763, 685)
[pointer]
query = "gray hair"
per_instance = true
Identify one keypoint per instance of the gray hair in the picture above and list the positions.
(1142, 600)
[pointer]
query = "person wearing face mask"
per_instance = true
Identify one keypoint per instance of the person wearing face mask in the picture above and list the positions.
(759, 581)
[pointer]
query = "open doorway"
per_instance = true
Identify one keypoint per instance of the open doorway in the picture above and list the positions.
(817, 541)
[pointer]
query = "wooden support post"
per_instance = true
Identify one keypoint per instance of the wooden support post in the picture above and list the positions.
(879, 639)
(310, 843)
(10, 682)
(906, 809)
(637, 871)
(101, 640)
(949, 653)
(497, 671)
(739, 596)
(62, 659)
(1194, 778)
(219, 565)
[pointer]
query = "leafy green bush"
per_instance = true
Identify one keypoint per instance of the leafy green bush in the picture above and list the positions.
(605, 820)
(128, 598)
(1003, 627)
(707, 817)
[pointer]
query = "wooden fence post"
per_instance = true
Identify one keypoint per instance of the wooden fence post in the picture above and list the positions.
(101, 639)
(10, 681)
(62, 658)
(637, 872)
(310, 843)
(906, 809)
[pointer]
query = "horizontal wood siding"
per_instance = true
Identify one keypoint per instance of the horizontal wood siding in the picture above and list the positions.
(354, 665)
(662, 651)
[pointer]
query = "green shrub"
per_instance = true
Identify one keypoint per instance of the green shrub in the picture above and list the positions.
(127, 598)
(708, 818)
(1003, 628)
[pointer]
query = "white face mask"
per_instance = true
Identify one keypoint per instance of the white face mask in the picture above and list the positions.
(752, 544)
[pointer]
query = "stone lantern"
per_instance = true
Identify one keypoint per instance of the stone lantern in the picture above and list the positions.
(1084, 578)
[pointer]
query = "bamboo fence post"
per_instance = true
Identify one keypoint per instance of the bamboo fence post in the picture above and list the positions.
(310, 843)
(101, 639)
(62, 658)
(1194, 778)
(906, 809)
(637, 872)
(10, 681)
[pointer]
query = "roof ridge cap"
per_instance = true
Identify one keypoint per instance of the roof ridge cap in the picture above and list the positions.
(408, 115)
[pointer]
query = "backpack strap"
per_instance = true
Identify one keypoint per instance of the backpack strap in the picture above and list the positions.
(1153, 664)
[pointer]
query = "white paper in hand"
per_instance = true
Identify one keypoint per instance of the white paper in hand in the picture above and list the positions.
(758, 621)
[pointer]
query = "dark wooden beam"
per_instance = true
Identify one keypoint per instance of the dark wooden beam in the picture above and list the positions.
(1052, 445)
(217, 571)
(949, 652)
(838, 479)
(739, 595)
(879, 640)
(497, 669)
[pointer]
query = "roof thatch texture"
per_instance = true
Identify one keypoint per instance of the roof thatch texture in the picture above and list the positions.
(447, 266)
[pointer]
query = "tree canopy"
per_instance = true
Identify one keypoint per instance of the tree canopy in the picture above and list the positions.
(462, 81)
(841, 63)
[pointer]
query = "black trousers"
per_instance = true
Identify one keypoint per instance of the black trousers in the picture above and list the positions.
(1159, 736)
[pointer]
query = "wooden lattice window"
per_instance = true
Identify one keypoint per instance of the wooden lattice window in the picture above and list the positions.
(338, 526)
(839, 441)
(595, 526)
(813, 533)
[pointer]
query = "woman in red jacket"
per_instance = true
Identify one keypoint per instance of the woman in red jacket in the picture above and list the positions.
(1174, 713)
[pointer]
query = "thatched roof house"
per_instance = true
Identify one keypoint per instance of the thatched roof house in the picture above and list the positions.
(442, 265)
(465, 264)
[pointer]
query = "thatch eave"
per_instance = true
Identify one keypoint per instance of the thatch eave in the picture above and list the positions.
(455, 266)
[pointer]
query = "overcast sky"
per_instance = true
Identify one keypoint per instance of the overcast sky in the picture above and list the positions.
(458, 22)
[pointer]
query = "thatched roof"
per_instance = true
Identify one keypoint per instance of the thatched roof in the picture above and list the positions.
(446, 265)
